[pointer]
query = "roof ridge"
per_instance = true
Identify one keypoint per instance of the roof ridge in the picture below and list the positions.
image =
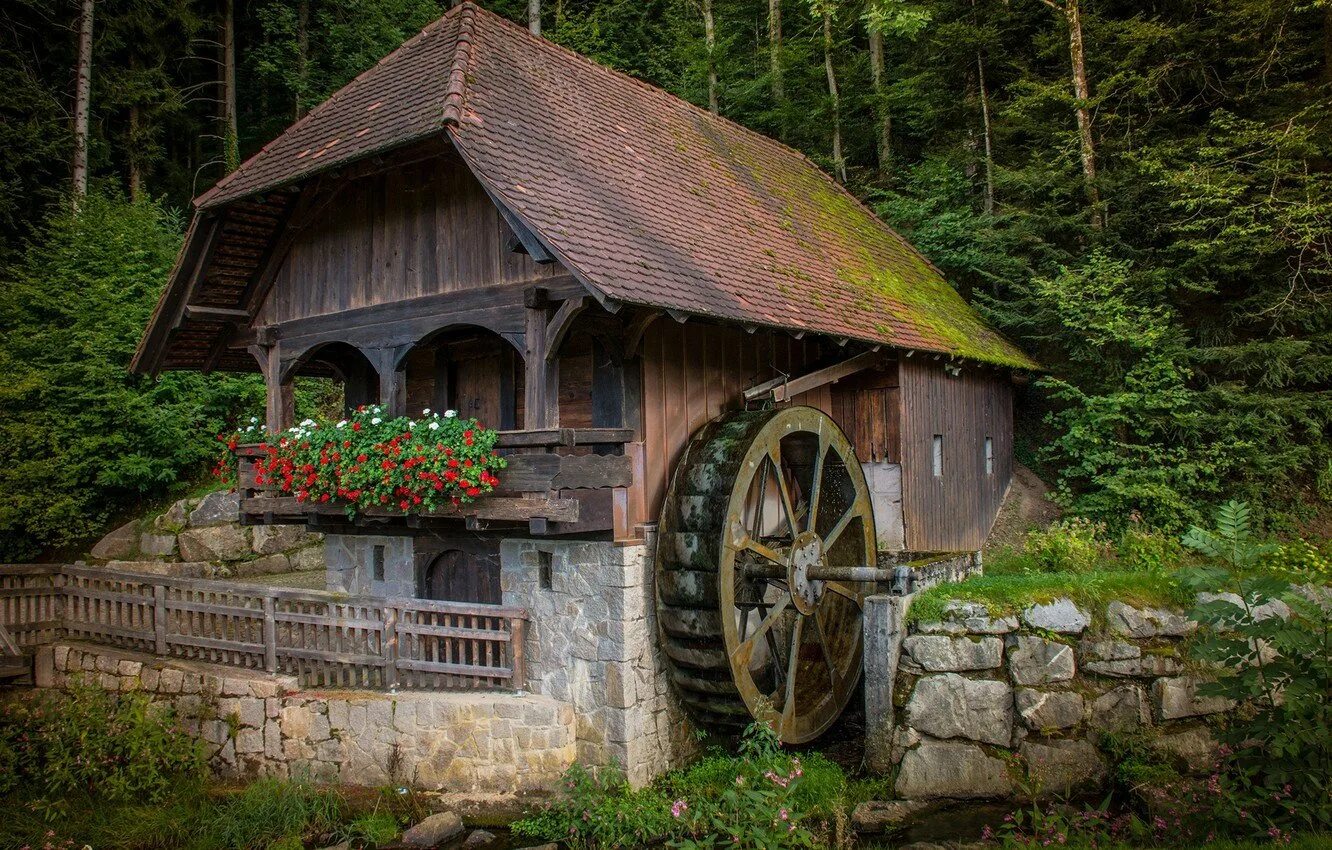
(429, 28)
(656, 91)
(455, 89)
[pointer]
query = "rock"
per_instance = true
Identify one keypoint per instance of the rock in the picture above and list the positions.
(157, 545)
(1178, 697)
(968, 617)
(214, 543)
(309, 558)
(950, 706)
(1036, 661)
(1108, 650)
(1266, 611)
(478, 839)
(951, 770)
(218, 507)
(1060, 616)
(345, 845)
(174, 520)
(272, 539)
(1058, 767)
(1195, 748)
(875, 816)
(1146, 622)
(1120, 710)
(434, 830)
(941, 653)
(1049, 710)
(1145, 667)
(121, 544)
(267, 565)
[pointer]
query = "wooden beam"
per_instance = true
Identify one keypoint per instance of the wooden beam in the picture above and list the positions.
(561, 322)
(634, 330)
(784, 389)
(201, 313)
(542, 374)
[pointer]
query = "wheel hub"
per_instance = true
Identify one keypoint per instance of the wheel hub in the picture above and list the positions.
(806, 555)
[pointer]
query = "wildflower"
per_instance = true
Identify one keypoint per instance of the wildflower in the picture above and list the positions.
(376, 421)
(434, 426)
(425, 411)
(449, 414)
(678, 808)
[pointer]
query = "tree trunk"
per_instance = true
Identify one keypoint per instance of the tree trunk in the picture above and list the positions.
(839, 165)
(82, 103)
(710, 40)
(230, 149)
(989, 138)
(1327, 43)
(775, 52)
(534, 16)
(877, 75)
(1082, 93)
(302, 56)
(135, 168)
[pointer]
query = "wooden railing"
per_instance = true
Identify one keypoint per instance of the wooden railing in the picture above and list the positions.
(326, 640)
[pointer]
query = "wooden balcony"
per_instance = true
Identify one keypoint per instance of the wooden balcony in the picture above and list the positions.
(558, 481)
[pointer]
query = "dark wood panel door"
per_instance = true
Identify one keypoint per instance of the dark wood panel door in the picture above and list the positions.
(458, 576)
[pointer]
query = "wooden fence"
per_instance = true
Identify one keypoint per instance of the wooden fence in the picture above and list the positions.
(326, 640)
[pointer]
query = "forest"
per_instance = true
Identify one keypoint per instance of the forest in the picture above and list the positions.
(1139, 192)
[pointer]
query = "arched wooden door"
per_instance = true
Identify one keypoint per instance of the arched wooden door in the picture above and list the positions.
(456, 575)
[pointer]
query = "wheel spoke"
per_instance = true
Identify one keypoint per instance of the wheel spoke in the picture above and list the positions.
(792, 661)
(746, 647)
(833, 675)
(843, 590)
(816, 486)
(762, 500)
(764, 551)
(836, 532)
(775, 458)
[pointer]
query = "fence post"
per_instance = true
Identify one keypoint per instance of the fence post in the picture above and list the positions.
(391, 647)
(160, 618)
(517, 636)
(270, 634)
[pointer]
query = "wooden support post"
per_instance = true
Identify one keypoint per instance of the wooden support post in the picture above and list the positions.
(280, 401)
(391, 646)
(159, 619)
(516, 657)
(392, 380)
(541, 391)
(270, 634)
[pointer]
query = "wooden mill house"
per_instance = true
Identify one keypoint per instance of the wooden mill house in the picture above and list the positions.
(728, 393)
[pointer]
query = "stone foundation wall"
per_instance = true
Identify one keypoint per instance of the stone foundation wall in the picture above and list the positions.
(256, 724)
(592, 644)
(972, 692)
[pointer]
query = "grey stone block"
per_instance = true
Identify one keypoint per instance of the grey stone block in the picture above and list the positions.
(950, 706)
(1034, 660)
(1049, 710)
(1060, 616)
(942, 654)
(951, 770)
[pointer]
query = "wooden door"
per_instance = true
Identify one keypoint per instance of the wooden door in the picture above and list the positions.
(460, 576)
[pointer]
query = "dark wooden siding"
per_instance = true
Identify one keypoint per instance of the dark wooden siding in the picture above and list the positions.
(693, 372)
(953, 511)
(419, 229)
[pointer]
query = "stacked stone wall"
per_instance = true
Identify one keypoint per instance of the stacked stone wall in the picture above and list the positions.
(255, 724)
(990, 707)
(592, 644)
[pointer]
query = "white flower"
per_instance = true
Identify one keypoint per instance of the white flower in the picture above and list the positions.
(342, 424)
(425, 412)
(376, 420)
(449, 414)
(254, 419)
(410, 424)
(434, 426)
(306, 423)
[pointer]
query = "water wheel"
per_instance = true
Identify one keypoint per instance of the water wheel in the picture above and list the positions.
(765, 553)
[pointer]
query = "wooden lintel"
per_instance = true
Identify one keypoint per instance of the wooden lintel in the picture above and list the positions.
(558, 327)
(201, 313)
(785, 389)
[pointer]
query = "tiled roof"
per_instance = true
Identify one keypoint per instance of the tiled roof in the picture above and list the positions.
(647, 198)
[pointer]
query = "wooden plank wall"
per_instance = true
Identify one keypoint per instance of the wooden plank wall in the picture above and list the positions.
(695, 371)
(953, 512)
(419, 229)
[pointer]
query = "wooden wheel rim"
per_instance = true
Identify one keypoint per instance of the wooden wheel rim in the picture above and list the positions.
(816, 676)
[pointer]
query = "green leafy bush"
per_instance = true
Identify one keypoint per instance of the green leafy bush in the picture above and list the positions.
(88, 740)
(1074, 545)
(271, 811)
(1276, 774)
(1145, 550)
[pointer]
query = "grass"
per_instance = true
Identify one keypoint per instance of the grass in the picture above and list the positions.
(1011, 584)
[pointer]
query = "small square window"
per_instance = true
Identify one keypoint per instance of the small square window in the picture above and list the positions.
(989, 456)
(938, 455)
(546, 570)
(377, 562)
